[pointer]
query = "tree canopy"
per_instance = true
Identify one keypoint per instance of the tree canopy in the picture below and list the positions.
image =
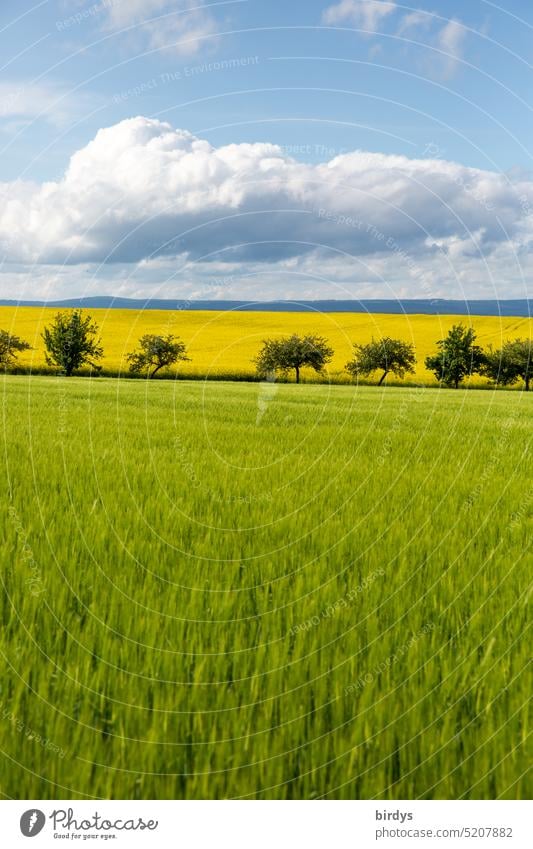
(513, 362)
(71, 341)
(156, 352)
(292, 354)
(458, 356)
(386, 355)
(10, 346)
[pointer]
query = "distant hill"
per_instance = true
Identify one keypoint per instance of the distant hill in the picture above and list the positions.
(521, 308)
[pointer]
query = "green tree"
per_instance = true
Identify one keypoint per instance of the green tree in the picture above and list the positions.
(387, 355)
(513, 362)
(10, 346)
(156, 352)
(292, 354)
(71, 341)
(458, 356)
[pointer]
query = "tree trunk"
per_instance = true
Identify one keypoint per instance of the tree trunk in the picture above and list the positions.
(297, 369)
(456, 383)
(155, 371)
(385, 373)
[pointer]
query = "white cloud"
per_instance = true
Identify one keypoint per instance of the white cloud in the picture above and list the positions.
(451, 40)
(445, 44)
(183, 25)
(123, 13)
(50, 101)
(143, 190)
(368, 14)
(313, 276)
(414, 21)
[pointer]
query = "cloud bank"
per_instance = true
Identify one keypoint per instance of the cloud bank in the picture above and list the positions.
(143, 189)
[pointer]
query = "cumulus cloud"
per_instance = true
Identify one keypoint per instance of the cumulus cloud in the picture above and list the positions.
(182, 25)
(367, 14)
(142, 189)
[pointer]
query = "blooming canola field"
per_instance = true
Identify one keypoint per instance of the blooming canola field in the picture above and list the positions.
(223, 344)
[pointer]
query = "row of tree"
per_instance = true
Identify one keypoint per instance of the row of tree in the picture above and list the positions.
(71, 341)
(456, 358)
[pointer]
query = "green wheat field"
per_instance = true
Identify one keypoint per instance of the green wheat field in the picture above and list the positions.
(216, 590)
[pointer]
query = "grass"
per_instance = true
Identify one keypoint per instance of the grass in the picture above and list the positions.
(218, 590)
(223, 345)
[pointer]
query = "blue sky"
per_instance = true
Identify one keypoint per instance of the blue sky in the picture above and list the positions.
(359, 148)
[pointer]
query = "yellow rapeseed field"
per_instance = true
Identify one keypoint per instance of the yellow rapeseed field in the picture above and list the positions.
(223, 344)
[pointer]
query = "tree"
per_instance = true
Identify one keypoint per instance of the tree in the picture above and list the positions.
(10, 346)
(293, 352)
(457, 356)
(156, 352)
(386, 354)
(512, 363)
(71, 341)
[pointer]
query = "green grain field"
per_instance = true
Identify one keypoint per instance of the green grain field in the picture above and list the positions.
(215, 590)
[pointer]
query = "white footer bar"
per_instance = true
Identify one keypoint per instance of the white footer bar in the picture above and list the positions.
(266, 824)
